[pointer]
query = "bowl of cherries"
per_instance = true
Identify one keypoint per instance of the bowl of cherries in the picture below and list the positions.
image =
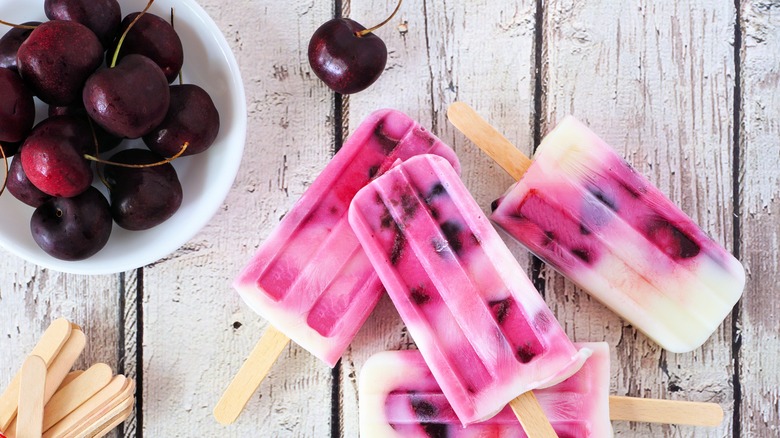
(122, 126)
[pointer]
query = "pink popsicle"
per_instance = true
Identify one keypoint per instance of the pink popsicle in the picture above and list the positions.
(585, 211)
(400, 398)
(483, 329)
(310, 278)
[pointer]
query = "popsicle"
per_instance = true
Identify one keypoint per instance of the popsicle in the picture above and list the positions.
(310, 278)
(586, 212)
(483, 329)
(399, 398)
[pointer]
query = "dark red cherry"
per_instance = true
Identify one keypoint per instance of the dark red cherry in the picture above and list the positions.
(142, 198)
(154, 38)
(345, 60)
(130, 99)
(192, 118)
(17, 108)
(53, 156)
(21, 187)
(56, 60)
(10, 42)
(101, 16)
(105, 141)
(72, 228)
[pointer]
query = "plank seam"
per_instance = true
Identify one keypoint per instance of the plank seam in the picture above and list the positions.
(736, 339)
(536, 264)
(340, 131)
(120, 345)
(139, 354)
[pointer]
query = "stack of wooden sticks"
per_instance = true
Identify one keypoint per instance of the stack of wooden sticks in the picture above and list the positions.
(47, 399)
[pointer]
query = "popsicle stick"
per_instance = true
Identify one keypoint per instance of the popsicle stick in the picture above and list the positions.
(492, 142)
(95, 403)
(71, 375)
(31, 387)
(108, 413)
(250, 376)
(63, 362)
(74, 394)
(535, 423)
(114, 422)
(47, 348)
(664, 411)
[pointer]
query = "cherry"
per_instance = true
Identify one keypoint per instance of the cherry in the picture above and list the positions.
(101, 16)
(105, 141)
(130, 99)
(10, 149)
(154, 38)
(53, 156)
(10, 42)
(346, 56)
(57, 58)
(142, 197)
(17, 108)
(72, 228)
(22, 188)
(192, 118)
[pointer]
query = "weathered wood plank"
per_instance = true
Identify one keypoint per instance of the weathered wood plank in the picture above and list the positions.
(760, 218)
(196, 330)
(655, 80)
(479, 52)
(31, 297)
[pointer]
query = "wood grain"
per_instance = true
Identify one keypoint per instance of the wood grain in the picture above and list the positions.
(655, 80)
(759, 214)
(196, 330)
(31, 297)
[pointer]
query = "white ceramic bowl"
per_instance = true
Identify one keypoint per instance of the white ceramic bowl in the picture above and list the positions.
(206, 178)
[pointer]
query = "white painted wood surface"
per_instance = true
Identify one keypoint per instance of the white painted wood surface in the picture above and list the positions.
(655, 79)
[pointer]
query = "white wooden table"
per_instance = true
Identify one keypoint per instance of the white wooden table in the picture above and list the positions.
(689, 92)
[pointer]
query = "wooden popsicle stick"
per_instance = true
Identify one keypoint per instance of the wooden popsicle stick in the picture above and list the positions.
(251, 375)
(107, 415)
(63, 363)
(47, 348)
(94, 404)
(649, 410)
(71, 375)
(481, 133)
(113, 423)
(31, 387)
(100, 414)
(74, 394)
(535, 423)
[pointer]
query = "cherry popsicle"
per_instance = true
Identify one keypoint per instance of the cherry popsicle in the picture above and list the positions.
(587, 213)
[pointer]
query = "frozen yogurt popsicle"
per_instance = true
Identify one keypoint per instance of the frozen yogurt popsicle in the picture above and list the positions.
(400, 398)
(310, 278)
(483, 329)
(586, 212)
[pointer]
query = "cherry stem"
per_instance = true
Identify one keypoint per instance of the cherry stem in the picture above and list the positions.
(18, 26)
(365, 32)
(139, 166)
(5, 161)
(173, 27)
(124, 34)
(97, 151)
